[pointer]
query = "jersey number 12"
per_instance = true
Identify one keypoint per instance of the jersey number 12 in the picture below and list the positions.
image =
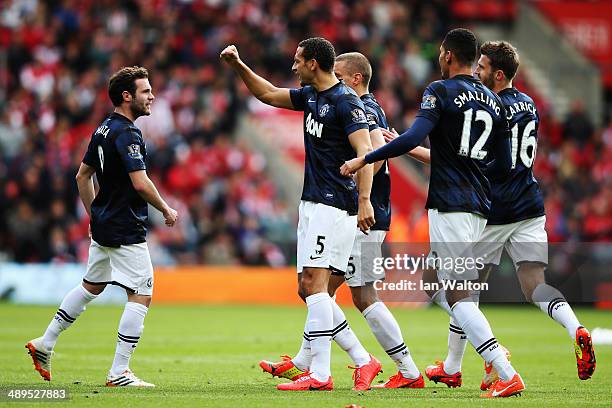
(476, 152)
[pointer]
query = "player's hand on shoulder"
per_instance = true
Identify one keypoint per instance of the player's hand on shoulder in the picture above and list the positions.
(365, 216)
(230, 54)
(170, 216)
(351, 166)
(389, 135)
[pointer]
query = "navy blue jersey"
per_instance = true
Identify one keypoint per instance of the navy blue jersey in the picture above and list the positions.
(381, 184)
(518, 196)
(329, 117)
(118, 213)
(470, 131)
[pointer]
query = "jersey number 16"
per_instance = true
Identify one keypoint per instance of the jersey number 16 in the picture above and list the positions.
(527, 140)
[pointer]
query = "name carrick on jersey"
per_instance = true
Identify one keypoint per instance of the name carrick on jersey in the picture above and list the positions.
(470, 126)
(518, 196)
(380, 196)
(118, 212)
(329, 117)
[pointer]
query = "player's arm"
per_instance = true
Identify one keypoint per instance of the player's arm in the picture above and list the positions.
(360, 140)
(85, 185)
(129, 145)
(261, 88)
(419, 153)
(406, 142)
(147, 190)
(378, 140)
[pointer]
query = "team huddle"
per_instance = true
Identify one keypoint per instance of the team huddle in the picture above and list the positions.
(483, 198)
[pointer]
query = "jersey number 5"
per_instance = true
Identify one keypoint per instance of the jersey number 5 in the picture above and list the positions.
(477, 152)
(526, 140)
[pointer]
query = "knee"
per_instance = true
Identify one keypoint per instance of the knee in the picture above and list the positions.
(301, 293)
(530, 277)
(362, 304)
(305, 287)
(141, 299)
(364, 298)
(94, 289)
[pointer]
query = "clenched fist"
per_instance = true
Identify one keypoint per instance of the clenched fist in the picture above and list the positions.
(230, 54)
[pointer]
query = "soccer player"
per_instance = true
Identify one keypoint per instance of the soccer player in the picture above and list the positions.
(355, 70)
(516, 221)
(467, 127)
(335, 128)
(118, 253)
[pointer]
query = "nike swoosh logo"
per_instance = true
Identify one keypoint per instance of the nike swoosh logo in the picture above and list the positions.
(496, 393)
(316, 388)
(316, 257)
(311, 100)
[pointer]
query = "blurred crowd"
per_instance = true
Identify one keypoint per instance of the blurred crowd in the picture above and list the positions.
(55, 60)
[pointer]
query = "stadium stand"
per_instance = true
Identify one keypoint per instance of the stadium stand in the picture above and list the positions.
(55, 56)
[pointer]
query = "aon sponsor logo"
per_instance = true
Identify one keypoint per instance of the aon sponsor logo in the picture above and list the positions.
(313, 127)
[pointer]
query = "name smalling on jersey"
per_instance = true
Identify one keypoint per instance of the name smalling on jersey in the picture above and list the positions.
(467, 96)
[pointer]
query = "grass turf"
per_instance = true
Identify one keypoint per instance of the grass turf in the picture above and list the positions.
(207, 356)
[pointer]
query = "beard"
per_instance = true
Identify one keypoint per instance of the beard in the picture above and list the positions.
(139, 109)
(488, 81)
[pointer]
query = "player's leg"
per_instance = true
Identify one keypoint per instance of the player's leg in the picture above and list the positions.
(489, 247)
(450, 235)
(528, 249)
(73, 304)
(318, 240)
(342, 333)
(366, 366)
(360, 278)
(133, 270)
(449, 370)
(294, 368)
(389, 335)
(546, 297)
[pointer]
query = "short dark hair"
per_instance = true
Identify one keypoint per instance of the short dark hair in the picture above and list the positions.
(357, 63)
(503, 56)
(125, 80)
(321, 50)
(462, 43)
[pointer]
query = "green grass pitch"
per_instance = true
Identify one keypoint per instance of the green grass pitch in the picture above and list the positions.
(206, 356)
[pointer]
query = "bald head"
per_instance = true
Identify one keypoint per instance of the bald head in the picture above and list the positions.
(356, 63)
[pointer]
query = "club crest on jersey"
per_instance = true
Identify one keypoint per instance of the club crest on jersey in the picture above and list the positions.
(372, 119)
(323, 110)
(429, 102)
(134, 151)
(358, 116)
(313, 127)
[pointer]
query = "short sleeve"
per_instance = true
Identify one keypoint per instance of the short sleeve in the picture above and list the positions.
(372, 117)
(90, 155)
(431, 105)
(351, 114)
(130, 147)
(297, 98)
